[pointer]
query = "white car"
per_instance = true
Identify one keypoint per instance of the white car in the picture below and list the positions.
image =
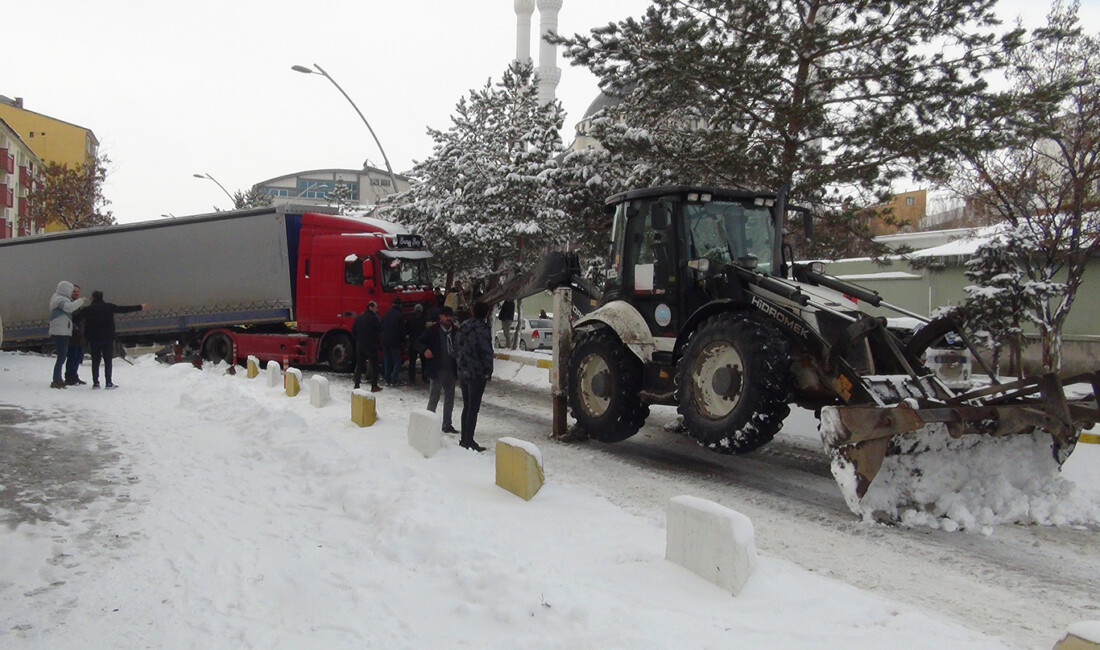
(534, 334)
(953, 366)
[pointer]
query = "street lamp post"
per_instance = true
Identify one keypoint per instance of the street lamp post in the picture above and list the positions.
(321, 71)
(233, 202)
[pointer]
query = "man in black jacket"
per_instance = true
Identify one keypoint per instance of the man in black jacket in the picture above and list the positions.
(99, 332)
(437, 344)
(417, 324)
(475, 369)
(393, 341)
(367, 331)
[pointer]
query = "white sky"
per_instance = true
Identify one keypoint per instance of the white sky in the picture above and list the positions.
(206, 86)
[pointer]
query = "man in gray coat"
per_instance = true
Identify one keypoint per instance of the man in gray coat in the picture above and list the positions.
(62, 305)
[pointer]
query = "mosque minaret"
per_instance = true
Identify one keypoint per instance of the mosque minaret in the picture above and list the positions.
(524, 10)
(548, 70)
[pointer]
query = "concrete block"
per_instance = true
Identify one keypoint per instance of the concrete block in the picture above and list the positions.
(292, 382)
(425, 432)
(363, 410)
(712, 541)
(319, 391)
(519, 467)
(253, 367)
(1081, 636)
(274, 374)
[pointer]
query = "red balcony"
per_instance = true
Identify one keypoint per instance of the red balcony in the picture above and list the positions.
(25, 178)
(7, 196)
(7, 162)
(24, 208)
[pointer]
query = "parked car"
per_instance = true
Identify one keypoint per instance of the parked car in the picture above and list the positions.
(948, 359)
(534, 334)
(953, 366)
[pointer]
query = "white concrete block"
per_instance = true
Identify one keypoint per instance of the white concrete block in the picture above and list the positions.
(425, 432)
(274, 374)
(319, 391)
(712, 541)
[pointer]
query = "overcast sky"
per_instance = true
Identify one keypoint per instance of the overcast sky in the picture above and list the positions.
(206, 86)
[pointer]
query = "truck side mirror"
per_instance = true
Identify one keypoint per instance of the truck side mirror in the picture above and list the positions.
(808, 225)
(368, 269)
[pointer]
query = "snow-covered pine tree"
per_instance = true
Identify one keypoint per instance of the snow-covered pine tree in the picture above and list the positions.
(486, 200)
(839, 99)
(342, 198)
(996, 303)
(255, 197)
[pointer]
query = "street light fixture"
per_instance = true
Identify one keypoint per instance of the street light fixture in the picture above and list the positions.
(233, 201)
(321, 71)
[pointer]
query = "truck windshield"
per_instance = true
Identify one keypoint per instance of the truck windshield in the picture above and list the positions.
(404, 272)
(723, 231)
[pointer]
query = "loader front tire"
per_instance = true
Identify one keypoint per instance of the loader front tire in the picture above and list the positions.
(604, 381)
(733, 383)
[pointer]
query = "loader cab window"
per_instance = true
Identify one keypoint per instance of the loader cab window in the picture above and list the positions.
(725, 232)
(651, 254)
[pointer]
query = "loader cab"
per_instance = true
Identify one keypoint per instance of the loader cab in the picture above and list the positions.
(668, 242)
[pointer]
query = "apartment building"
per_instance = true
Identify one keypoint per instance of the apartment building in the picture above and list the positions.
(19, 169)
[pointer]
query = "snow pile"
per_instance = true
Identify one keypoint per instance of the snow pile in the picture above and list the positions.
(973, 483)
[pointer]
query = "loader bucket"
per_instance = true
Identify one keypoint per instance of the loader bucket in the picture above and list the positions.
(889, 459)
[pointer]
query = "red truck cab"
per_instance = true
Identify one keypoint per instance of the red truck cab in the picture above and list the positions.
(338, 265)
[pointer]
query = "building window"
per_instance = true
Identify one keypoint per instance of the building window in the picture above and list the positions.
(910, 200)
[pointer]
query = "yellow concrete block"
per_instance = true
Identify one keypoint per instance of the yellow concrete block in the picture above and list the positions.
(1090, 438)
(253, 367)
(292, 382)
(519, 467)
(363, 410)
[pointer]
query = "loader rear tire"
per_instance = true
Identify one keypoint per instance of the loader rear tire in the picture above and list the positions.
(604, 381)
(734, 382)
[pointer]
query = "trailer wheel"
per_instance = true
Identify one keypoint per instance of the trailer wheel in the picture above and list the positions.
(218, 347)
(340, 352)
(604, 382)
(733, 383)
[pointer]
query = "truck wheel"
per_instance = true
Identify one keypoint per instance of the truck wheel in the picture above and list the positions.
(733, 383)
(604, 382)
(218, 347)
(340, 352)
